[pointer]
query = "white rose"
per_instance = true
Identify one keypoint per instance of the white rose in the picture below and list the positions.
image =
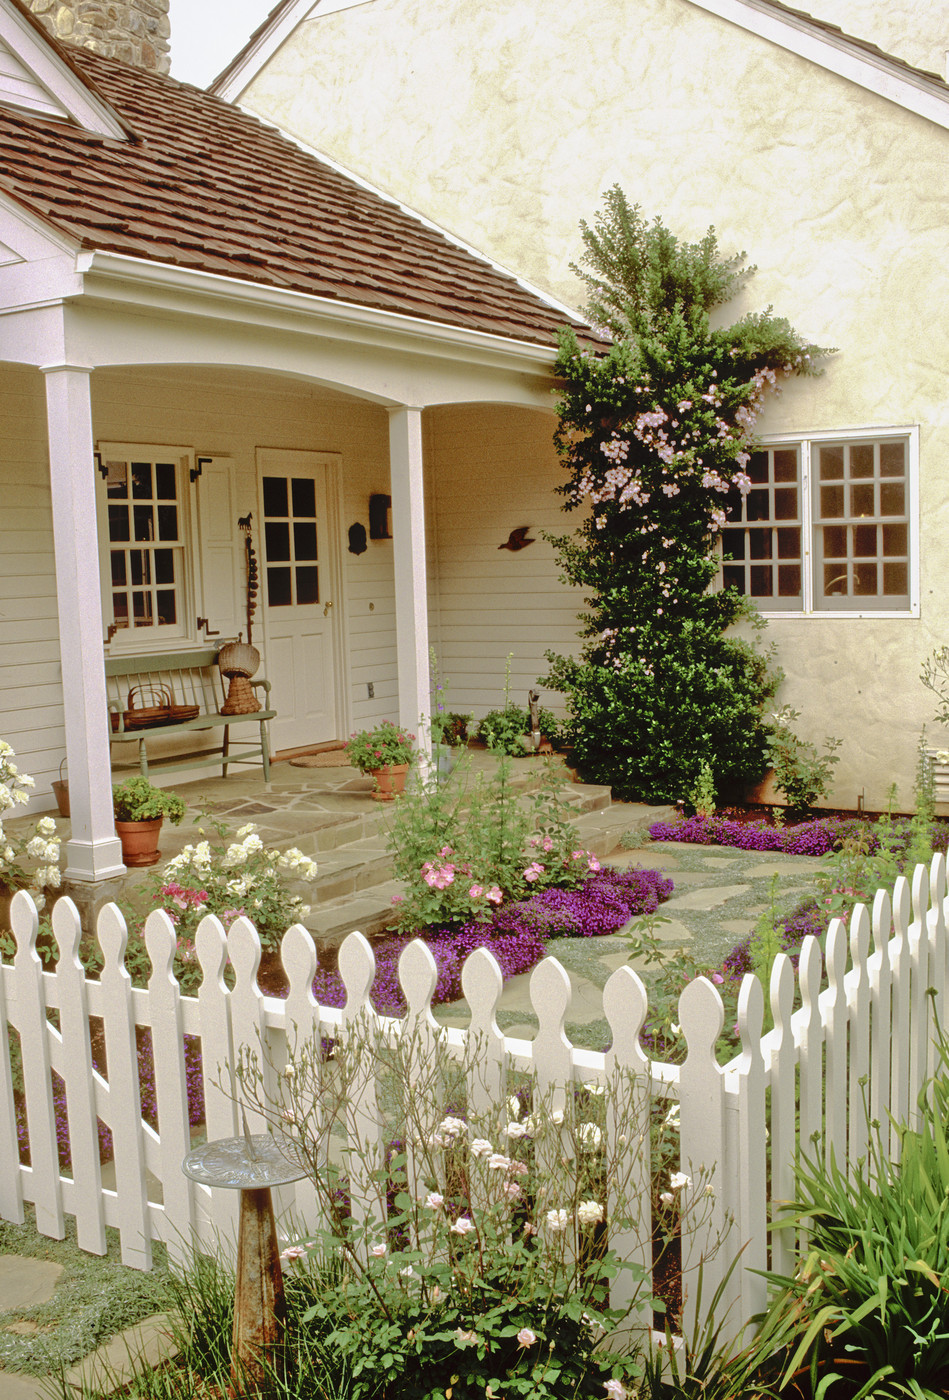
(557, 1220)
(589, 1212)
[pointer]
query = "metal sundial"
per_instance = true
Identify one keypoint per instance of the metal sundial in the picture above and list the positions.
(251, 1165)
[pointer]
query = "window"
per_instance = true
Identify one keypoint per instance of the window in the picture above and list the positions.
(145, 531)
(827, 526)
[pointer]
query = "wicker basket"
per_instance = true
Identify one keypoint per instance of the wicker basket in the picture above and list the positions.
(161, 711)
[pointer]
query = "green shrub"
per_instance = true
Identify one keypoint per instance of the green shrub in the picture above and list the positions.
(654, 436)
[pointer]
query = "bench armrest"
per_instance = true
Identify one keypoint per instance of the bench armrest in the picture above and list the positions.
(115, 708)
(265, 684)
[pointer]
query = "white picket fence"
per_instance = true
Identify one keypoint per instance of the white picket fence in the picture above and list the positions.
(861, 1035)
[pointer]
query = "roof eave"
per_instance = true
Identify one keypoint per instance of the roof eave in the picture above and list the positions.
(340, 318)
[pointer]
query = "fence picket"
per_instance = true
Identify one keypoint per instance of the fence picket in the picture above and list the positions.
(124, 1099)
(880, 1014)
(171, 1093)
(811, 1051)
(482, 984)
(782, 1073)
(708, 1200)
(751, 1174)
(28, 1009)
(629, 1094)
(834, 1016)
(919, 993)
(936, 932)
(217, 1210)
(901, 963)
(357, 967)
(859, 1008)
(11, 1180)
(77, 1073)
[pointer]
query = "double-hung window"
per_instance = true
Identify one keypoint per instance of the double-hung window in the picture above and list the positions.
(144, 534)
(829, 525)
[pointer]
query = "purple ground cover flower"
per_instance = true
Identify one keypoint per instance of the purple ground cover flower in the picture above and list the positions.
(811, 838)
(516, 935)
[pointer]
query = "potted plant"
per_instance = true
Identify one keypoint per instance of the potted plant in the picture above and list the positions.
(385, 753)
(139, 809)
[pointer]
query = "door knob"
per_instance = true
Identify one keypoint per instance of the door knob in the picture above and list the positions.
(326, 608)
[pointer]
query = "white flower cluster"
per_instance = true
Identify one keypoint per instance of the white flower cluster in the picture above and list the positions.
(42, 846)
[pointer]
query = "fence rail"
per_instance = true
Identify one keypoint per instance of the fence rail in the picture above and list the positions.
(852, 1037)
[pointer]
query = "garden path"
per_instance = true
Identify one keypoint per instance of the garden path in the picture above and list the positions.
(718, 896)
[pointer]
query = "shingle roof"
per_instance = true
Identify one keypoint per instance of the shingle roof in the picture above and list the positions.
(206, 186)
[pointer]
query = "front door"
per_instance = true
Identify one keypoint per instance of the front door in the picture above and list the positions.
(299, 595)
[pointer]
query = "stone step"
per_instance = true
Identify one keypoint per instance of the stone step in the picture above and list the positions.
(601, 831)
(369, 910)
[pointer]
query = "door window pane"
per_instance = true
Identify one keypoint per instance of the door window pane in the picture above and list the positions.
(275, 495)
(303, 490)
(308, 588)
(279, 588)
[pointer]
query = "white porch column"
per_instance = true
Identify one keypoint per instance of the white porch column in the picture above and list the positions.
(411, 595)
(94, 853)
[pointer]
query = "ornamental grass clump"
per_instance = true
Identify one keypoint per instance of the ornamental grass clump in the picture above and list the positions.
(466, 1244)
(655, 435)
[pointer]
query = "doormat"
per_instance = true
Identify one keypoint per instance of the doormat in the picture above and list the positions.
(335, 758)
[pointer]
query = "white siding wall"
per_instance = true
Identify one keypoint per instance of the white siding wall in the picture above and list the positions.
(494, 469)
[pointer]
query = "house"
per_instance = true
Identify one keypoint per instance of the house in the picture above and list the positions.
(202, 322)
(817, 150)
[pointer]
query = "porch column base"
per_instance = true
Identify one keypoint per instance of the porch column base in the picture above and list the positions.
(89, 896)
(89, 862)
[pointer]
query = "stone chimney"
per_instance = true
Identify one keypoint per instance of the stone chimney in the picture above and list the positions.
(135, 31)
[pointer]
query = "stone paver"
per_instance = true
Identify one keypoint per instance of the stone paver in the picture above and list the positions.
(25, 1283)
(710, 897)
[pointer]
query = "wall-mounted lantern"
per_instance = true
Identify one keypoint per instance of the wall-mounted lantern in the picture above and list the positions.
(379, 507)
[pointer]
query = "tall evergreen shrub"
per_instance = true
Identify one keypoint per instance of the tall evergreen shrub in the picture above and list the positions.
(655, 435)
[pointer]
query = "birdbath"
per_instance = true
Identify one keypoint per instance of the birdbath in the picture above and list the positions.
(251, 1165)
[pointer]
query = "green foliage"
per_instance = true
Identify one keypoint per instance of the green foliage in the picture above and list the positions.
(462, 849)
(505, 730)
(920, 846)
(136, 800)
(869, 1299)
(702, 796)
(478, 1263)
(800, 772)
(94, 1297)
(935, 677)
(40, 849)
(228, 877)
(382, 747)
(654, 436)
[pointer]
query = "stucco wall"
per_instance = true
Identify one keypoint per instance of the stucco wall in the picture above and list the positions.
(836, 193)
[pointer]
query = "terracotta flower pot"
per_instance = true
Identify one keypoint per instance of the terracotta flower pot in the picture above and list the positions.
(390, 781)
(139, 841)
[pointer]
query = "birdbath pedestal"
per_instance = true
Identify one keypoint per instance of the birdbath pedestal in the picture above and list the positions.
(251, 1165)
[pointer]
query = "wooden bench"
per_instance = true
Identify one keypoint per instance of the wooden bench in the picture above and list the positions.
(192, 678)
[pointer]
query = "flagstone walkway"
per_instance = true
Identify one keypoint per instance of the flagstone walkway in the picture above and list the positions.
(719, 894)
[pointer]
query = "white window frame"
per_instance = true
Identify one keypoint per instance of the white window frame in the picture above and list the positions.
(132, 640)
(805, 442)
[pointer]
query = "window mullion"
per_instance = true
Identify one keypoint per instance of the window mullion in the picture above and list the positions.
(807, 530)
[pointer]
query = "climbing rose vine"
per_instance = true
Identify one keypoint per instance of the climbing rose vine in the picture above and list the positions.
(655, 434)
